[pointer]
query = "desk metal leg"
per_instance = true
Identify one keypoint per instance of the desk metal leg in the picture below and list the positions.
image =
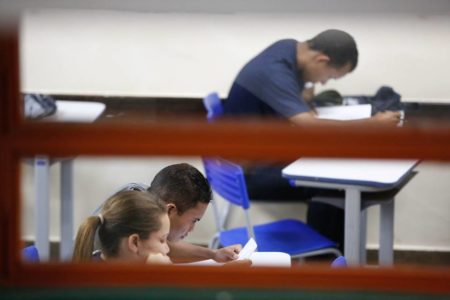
(386, 255)
(66, 220)
(352, 226)
(41, 216)
(362, 242)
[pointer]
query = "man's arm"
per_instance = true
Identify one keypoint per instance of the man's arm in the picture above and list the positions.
(182, 252)
(308, 93)
(382, 118)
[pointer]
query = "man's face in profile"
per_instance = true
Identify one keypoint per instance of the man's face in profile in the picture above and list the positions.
(182, 224)
(321, 71)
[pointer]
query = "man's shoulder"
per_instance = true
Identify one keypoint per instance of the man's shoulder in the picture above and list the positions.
(284, 44)
(277, 56)
(288, 41)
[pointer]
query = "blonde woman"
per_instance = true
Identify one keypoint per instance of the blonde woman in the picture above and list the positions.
(133, 226)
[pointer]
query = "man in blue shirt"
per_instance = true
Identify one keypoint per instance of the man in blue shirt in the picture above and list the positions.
(272, 85)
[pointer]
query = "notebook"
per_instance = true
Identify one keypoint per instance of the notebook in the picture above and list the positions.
(344, 112)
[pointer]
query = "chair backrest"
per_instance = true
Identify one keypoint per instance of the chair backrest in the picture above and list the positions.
(213, 106)
(227, 180)
(30, 254)
(339, 262)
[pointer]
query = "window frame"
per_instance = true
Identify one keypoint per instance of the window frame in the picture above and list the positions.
(252, 139)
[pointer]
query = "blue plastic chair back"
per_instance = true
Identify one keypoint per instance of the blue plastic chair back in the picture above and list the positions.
(30, 254)
(287, 235)
(213, 106)
(227, 179)
(339, 262)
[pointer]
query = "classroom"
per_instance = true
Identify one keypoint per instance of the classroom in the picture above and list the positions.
(162, 58)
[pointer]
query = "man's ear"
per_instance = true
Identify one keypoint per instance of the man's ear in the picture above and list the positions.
(133, 243)
(322, 58)
(171, 209)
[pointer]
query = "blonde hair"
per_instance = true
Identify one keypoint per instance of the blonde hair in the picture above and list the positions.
(124, 214)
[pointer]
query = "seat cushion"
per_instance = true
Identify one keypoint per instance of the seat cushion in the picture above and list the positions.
(290, 236)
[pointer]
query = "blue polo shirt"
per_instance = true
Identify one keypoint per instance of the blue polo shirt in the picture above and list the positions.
(269, 85)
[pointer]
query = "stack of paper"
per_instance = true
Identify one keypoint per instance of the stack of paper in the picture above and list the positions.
(350, 112)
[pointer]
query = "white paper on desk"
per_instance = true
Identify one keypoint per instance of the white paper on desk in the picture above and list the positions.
(344, 112)
(76, 111)
(259, 259)
(245, 253)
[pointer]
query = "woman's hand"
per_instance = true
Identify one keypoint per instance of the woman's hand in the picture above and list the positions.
(158, 259)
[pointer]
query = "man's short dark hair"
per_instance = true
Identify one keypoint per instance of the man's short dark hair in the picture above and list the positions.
(182, 185)
(338, 45)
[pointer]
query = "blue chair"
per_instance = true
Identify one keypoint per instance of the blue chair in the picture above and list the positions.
(287, 235)
(213, 106)
(30, 254)
(339, 262)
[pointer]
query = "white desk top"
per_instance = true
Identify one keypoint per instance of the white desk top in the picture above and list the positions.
(366, 172)
(76, 111)
(259, 259)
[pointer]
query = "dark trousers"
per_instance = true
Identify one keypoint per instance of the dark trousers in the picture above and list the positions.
(265, 183)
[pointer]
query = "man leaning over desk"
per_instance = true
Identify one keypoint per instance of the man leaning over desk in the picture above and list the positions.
(272, 84)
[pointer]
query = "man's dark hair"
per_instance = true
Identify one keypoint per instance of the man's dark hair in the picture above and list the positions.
(182, 185)
(338, 45)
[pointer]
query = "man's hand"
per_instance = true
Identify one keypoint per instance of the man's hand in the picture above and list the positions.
(226, 254)
(387, 117)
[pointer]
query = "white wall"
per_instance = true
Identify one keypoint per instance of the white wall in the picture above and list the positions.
(95, 179)
(188, 54)
(148, 54)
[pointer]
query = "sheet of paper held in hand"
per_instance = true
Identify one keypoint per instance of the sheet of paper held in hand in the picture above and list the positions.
(248, 249)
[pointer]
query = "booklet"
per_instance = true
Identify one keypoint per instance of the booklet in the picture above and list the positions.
(344, 112)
